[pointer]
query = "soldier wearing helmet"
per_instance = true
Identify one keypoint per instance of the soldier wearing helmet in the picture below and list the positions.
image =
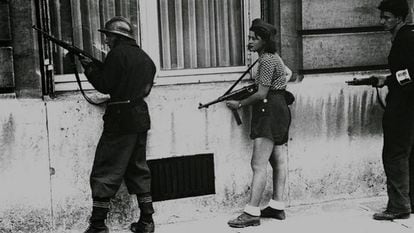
(127, 75)
(398, 119)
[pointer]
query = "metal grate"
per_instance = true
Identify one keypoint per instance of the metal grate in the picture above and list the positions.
(184, 176)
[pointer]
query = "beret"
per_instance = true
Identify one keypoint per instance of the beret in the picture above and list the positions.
(262, 25)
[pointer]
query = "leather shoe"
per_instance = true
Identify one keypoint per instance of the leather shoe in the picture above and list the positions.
(387, 215)
(269, 212)
(95, 229)
(244, 220)
(143, 227)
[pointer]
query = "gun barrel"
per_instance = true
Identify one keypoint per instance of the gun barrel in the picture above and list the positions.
(200, 106)
(69, 47)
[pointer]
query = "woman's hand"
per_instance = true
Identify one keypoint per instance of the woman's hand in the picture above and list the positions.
(233, 104)
(289, 74)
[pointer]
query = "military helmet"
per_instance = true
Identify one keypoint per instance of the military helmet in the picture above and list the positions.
(118, 25)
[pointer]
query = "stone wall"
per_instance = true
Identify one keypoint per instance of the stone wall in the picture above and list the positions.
(47, 148)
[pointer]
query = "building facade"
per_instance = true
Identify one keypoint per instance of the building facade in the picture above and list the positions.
(200, 157)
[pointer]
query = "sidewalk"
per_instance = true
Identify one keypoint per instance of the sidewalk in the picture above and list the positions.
(339, 216)
(342, 216)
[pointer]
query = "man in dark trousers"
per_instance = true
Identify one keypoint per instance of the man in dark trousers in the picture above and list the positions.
(127, 75)
(398, 119)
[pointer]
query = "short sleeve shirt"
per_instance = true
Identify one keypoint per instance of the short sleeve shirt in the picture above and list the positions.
(271, 72)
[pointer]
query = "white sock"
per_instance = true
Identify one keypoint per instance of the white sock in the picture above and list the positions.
(252, 210)
(278, 205)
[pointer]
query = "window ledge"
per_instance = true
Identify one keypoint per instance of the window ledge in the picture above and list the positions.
(67, 82)
(199, 75)
(7, 95)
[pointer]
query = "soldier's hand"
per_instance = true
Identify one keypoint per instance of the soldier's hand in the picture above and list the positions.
(85, 61)
(381, 81)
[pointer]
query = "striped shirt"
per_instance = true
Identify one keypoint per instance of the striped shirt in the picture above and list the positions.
(271, 72)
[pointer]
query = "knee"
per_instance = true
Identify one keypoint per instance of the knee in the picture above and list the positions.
(258, 167)
(278, 162)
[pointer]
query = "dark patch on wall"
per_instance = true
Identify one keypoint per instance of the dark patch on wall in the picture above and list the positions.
(8, 130)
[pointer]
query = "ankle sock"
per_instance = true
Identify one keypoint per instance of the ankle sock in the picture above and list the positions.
(252, 210)
(278, 205)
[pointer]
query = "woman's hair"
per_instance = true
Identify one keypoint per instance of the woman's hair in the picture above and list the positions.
(267, 37)
(398, 8)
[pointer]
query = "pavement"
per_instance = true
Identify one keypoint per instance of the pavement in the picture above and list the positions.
(339, 216)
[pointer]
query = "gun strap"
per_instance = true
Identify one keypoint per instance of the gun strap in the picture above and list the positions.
(241, 77)
(379, 99)
(72, 57)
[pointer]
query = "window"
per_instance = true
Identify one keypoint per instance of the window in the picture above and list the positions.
(200, 34)
(77, 22)
(193, 41)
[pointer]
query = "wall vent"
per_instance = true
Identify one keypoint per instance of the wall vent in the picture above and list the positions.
(184, 176)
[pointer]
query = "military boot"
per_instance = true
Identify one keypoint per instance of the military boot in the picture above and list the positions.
(145, 223)
(97, 229)
(143, 226)
(97, 220)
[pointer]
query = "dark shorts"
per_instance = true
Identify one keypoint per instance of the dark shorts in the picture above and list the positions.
(271, 119)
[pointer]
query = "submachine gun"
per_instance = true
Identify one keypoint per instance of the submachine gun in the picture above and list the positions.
(238, 94)
(371, 81)
(73, 51)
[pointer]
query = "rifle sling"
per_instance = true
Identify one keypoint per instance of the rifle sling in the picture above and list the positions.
(241, 77)
(72, 56)
(379, 99)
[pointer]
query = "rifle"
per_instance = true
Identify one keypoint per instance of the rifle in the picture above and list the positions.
(238, 94)
(371, 81)
(71, 48)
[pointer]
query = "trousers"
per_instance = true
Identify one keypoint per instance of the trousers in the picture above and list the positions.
(398, 154)
(120, 157)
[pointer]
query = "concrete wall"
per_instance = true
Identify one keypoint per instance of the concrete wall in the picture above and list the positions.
(24, 167)
(334, 152)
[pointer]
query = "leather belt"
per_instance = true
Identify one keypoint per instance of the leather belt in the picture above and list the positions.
(126, 102)
(119, 102)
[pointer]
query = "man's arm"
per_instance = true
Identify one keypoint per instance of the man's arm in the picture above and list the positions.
(148, 76)
(103, 77)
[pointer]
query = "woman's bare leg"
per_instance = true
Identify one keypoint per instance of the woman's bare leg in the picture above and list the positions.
(278, 161)
(262, 149)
